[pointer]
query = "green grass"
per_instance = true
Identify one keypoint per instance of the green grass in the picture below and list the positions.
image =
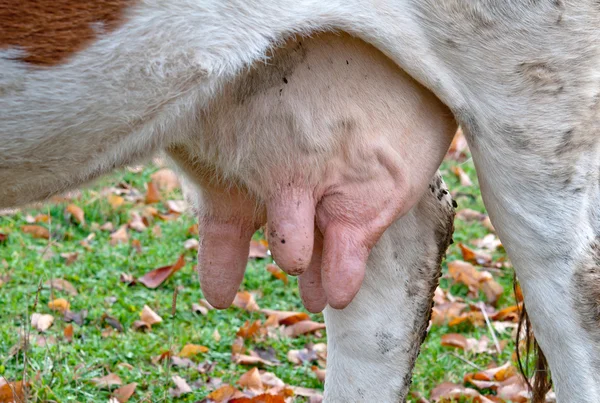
(63, 371)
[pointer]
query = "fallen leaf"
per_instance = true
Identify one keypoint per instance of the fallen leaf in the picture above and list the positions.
(216, 336)
(136, 223)
(149, 316)
(61, 285)
(68, 332)
(69, 257)
(77, 317)
(458, 148)
(190, 350)
(454, 340)
(248, 330)
(245, 359)
(140, 325)
(156, 277)
(277, 273)
(303, 327)
(112, 322)
(238, 346)
(165, 180)
(258, 250)
(3, 237)
(319, 372)
(443, 313)
(462, 176)
(306, 392)
(182, 362)
(161, 357)
(251, 380)
(223, 394)
(447, 392)
(115, 201)
(76, 212)
(202, 307)
(37, 231)
(176, 206)
(124, 393)
(245, 300)
(477, 257)
(181, 387)
(137, 245)
(107, 381)
(469, 215)
(12, 392)
(41, 322)
(271, 380)
(191, 243)
(286, 318)
(107, 226)
(119, 236)
(262, 398)
(127, 279)
(152, 195)
(59, 304)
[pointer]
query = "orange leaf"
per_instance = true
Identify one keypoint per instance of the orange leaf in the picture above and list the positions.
(152, 195)
(303, 327)
(249, 330)
(245, 300)
(12, 392)
(77, 213)
(156, 277)
(59, 304)
(165, 180)
(107, 381)
(223, 394)
(286, 318)
(264, 398)
(190, 350)
(149, 316)
(115, 200)
(37, 231)
(473, 256)
(68, 332)
(277, 273)
(244, 359)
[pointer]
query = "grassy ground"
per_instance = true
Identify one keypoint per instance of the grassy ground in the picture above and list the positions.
(62, 371)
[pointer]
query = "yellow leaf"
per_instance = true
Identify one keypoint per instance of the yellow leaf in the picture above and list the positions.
(59, 304)
(77, 213)
(190, 350)
(115, 200)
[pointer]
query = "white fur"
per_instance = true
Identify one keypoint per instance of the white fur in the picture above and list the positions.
(516, 74)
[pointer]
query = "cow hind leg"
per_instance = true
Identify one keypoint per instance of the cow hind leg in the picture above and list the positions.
(374, 342)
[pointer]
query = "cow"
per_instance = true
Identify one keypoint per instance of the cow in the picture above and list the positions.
(87, 86)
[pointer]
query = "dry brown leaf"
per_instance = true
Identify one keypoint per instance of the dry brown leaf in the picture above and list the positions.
(277, 273)
(477, 257)
(245, 300)
(271, 380)
(181, 387)
(156, 277)
(68, 332)
(59, 304)
(244, 359)
(202, 307)
(37, 231)
(469, 215)
(119, 236)
(303, 327)
(152, 194)
(77, 213)
(136, 222)
(190, 350)
(161, 357)
(112, 322)
(447, 392)
(286, 318)
(258, 249)
(466, 273)
(41, 322)
(462, 176)
(69, 257)
(454, 340)
(458, 148)
(107, 381)
(124, 393)
(306, 392)
(251, 380)
(165, 180)
(141, 326)
(149, 316)
(137, 245)
(223, 394)
(12, 392)
(61, 285)
(447, 311)
(319, 372)
(238, 346)
(262, 398)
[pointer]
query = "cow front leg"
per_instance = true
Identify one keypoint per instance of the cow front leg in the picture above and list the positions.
(373, 342)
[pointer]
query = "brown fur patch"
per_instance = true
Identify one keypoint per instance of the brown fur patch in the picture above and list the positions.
(49, 31)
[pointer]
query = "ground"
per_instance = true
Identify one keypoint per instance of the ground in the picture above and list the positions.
(64, 362)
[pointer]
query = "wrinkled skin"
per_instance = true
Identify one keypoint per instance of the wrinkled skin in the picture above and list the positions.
(323, 155)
